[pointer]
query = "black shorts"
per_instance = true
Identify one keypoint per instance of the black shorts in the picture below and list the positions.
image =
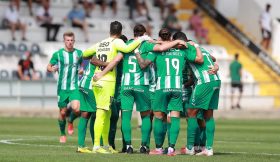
(237, 85)
(266, 34)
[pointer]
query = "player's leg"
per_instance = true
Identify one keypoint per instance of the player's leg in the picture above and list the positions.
(202, 132)
(62, 124)
(145, 131)
(82, 128)
(105, 133)
(175, 106)
(127, 100)
(208, 116)
(62, 103)
(240, 87)
(113, 122)
(160, 109)
(199, 100)
(104, 95)
(232, 95)
(143, 105)
(91, 126)
(74, 97)
(88, 105)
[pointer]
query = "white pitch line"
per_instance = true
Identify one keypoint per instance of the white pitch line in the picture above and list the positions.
(13, 142)
(10, 142)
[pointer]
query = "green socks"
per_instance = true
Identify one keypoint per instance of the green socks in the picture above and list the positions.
(145, 129)
(82, 130)
(210, 129)
(62, 124)
(202, 136)
(91, 126)
(192, 131)
(158, 132)
(174, 131)
(126, 126)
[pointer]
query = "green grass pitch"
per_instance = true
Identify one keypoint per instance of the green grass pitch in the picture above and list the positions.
(36, 139)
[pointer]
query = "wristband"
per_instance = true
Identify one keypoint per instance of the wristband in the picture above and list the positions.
(196, 45)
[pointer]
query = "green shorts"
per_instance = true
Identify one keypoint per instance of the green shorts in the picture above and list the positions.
(206, 96)
(138, 94)
(87, 100)
(64, 97)
(168, 100)
(152, 98)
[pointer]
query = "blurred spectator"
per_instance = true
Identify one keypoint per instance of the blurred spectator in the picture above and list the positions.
(143, 17)
(29, 3)
(103, 4)
(143, 9)
(201, 33)
(132, 4)
(26, 69)
(265, 23)
(171, 22)
(235, 75)
(88, 6)
(161, 4)
(12, 16)
(44, 19)
(77, 17)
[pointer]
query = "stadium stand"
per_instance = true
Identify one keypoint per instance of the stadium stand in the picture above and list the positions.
(43, 93)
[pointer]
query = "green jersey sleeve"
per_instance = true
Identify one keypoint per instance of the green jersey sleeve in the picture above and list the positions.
(54, 59)
(190, 53)
(151, 56)
(146, 47)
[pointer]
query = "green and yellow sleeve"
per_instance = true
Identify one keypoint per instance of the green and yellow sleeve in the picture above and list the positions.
(122, 47)
(90, 51)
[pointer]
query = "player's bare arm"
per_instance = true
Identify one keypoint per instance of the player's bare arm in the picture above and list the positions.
(142, 62)
(109, 67)
(52, 68)
(213, 69)
(98, 62)
(167, 45)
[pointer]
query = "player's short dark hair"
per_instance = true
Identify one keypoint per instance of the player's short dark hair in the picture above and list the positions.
(139, 30)
(180, 36)
(236, 56)
(115, 28)
(124, 38)
(164, 34)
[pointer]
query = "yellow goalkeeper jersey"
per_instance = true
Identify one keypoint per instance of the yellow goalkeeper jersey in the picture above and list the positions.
(106, 50)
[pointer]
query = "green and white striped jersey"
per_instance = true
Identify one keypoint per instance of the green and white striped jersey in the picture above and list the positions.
(169, 67)
(86, 80)
(133, 75)
(200, 71)
(68, 66)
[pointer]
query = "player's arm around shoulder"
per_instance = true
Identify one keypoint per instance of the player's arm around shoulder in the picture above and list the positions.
(167, 45)
(109, 67)
(143, 63)
(126, 48)
(88, 53)
(194, 48)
